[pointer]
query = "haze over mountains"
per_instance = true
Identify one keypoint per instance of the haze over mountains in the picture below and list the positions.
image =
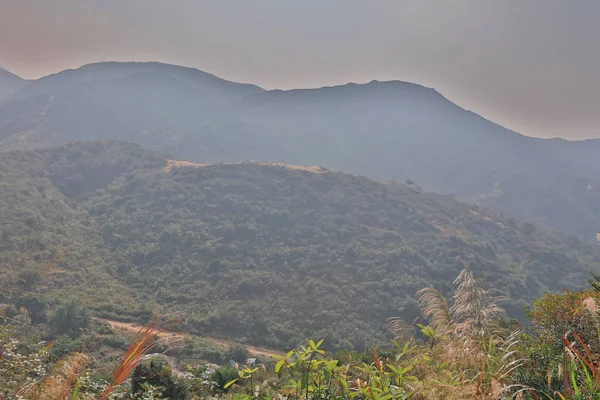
(384, 130)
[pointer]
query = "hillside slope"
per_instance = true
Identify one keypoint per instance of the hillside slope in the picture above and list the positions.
(268, 254)
(9, 83)
(401, 131)
(385, 130)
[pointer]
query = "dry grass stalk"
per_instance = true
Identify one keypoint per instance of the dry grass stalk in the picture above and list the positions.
(590, 304)
(435, 309)
(401, 331)
(59, 385)
(470, 339)
(142, 343)
(473, 305)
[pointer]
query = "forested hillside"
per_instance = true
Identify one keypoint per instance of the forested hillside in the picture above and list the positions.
(384, 130)
(268, 254)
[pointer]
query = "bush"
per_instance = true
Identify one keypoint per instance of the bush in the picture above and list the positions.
(116, 341)
(238, 353)
(223, 375)
(213, 355)
(68, 318)
(156, 373)
(35, 307)
(65, 344)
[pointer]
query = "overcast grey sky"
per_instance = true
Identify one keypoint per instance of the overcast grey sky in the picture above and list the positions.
(532, 65)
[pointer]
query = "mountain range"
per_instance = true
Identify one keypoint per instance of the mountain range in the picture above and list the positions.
(393, 131)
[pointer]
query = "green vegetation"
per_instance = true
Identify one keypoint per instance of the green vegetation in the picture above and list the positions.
(98, 234)
(157, 374)
(238, 353)
(69, 319)
(223, 375)
(265, 254)
(466, 349)
(272, 254)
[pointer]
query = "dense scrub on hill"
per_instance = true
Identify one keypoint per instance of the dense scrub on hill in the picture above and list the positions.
(266, 254)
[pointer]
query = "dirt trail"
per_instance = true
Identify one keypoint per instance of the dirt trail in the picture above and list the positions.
(255, 351)
(178, 163)
(134, 328)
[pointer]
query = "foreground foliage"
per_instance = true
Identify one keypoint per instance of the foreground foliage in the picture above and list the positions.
(467, 348)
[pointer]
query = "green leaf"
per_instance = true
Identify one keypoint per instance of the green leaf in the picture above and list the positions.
(304, 381)
(279, 365)
(332, 364)
(574, 381)
(344, 383)
(229, 383)
(588, 379)
(326, 375)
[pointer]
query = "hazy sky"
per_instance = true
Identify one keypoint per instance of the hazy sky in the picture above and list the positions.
(531, 65)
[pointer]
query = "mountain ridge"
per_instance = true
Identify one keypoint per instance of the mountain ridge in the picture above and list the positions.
(385, 130)
(276, 90)
(112, 69)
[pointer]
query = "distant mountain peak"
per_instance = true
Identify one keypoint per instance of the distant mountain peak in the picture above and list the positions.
(102, 72)
(381, 90)
(158, 67)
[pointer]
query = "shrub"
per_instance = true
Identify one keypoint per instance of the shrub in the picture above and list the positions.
(157, 374)
(238, 353)
(35, 307)
(223, 375)
(64, 345)
(68, 318)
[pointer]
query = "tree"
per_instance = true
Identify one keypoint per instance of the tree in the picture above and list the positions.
(238, 353)
(157, 374)
(70, 319)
